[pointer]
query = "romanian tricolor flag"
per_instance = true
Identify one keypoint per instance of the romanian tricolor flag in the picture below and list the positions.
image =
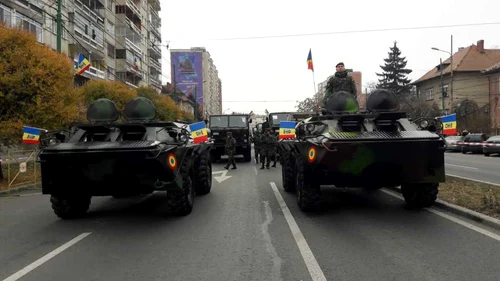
(82, 65)
(449, 124)
(199, 132)
(287, 130)
(31, 135)
(310, 61)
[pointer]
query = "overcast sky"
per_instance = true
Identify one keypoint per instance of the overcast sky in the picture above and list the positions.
(275, 69)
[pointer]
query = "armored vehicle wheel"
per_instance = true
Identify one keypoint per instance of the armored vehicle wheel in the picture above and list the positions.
(180, 202)
(288, 172)
(203, 172)
(69, 208)
(214, 157)
(247, 155)
(420, 195)
(308, 191)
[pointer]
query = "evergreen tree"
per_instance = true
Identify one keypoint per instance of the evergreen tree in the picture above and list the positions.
(394, 76)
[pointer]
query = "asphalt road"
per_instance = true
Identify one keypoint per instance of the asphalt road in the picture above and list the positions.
(473, 166)
(245, 229)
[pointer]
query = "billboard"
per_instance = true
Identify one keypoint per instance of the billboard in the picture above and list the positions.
(187, 72)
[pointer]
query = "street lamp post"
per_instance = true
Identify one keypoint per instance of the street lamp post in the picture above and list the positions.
(442, 86)
(451, 66)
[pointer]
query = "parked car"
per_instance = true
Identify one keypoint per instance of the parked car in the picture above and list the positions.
(473, 143)
(454, 143)
(491, 146)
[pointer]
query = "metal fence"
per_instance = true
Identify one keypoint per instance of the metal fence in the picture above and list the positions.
(22, 168)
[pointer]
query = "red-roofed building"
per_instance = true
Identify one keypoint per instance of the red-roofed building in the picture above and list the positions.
(467, 79)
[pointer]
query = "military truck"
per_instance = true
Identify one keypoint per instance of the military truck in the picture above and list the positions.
(109, 158)
(373, 149)
(239, 126)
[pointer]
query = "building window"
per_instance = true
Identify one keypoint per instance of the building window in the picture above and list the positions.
(111, 51)
(429, 94)
(445, 90)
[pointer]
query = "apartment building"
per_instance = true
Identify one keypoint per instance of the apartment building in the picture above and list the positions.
(120, 38)
(194, 73)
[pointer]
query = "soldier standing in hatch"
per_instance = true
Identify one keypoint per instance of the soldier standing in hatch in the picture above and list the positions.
(266, 141)
(230, 150)
(341, 81)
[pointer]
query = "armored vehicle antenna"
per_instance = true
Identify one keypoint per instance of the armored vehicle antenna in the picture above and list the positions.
(102, 111)
(140, 109)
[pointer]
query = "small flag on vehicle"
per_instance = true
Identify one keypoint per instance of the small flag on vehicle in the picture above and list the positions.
(199, 132)
(449, 124)
(31, 135)
(287, 130)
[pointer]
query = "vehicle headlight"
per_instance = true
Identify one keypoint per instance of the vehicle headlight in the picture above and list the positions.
(183, 138)
(424, 124)
(52, 141)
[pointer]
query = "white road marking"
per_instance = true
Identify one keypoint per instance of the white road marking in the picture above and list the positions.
(469, 179)
(255, 170)
(460, 166)
(451, 218)
(45, 258)
(308, 256)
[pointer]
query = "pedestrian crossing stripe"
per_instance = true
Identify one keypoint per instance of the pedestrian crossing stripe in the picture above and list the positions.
(172, 161)
(311, 154)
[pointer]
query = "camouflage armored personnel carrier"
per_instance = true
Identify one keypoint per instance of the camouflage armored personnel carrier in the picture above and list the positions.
(239, 126)
(109, 158)
(373, 149)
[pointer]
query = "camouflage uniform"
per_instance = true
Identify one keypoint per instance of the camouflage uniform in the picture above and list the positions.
(267, 141)
(230, 150)
(256, 146)
(341, 81)
(274, 149)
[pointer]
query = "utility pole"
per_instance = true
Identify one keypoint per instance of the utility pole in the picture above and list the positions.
(451, 71)
(59, 25)
(442, 86)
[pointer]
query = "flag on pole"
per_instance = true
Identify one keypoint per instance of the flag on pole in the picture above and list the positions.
(310, 61)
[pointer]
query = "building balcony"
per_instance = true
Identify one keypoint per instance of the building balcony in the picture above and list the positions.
(135, 27)
(156, 32)
(154, 16)
(131, 85)
(154, 52)
(154, 63)
(93, 72)
(129, 45)
(92, 9)
(154, 81)
(133, 7)
(155, 4)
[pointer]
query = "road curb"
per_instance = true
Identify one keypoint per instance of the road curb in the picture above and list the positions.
(20, 188)
(461, 211)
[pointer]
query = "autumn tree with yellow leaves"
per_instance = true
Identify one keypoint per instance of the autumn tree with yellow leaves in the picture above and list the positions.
(36, 86)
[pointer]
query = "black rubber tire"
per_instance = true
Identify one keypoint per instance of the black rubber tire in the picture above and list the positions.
(214, 157)
(247, 155)
(70, 208)
(181, 202)
(308, 191)
(203, 172)
(420, 195)
(486, 154)
(288, 172)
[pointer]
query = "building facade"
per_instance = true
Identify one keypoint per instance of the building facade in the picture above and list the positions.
(463, 80)
(120, 38)
(194, 73)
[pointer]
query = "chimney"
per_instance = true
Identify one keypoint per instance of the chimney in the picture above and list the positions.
(480, 46)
